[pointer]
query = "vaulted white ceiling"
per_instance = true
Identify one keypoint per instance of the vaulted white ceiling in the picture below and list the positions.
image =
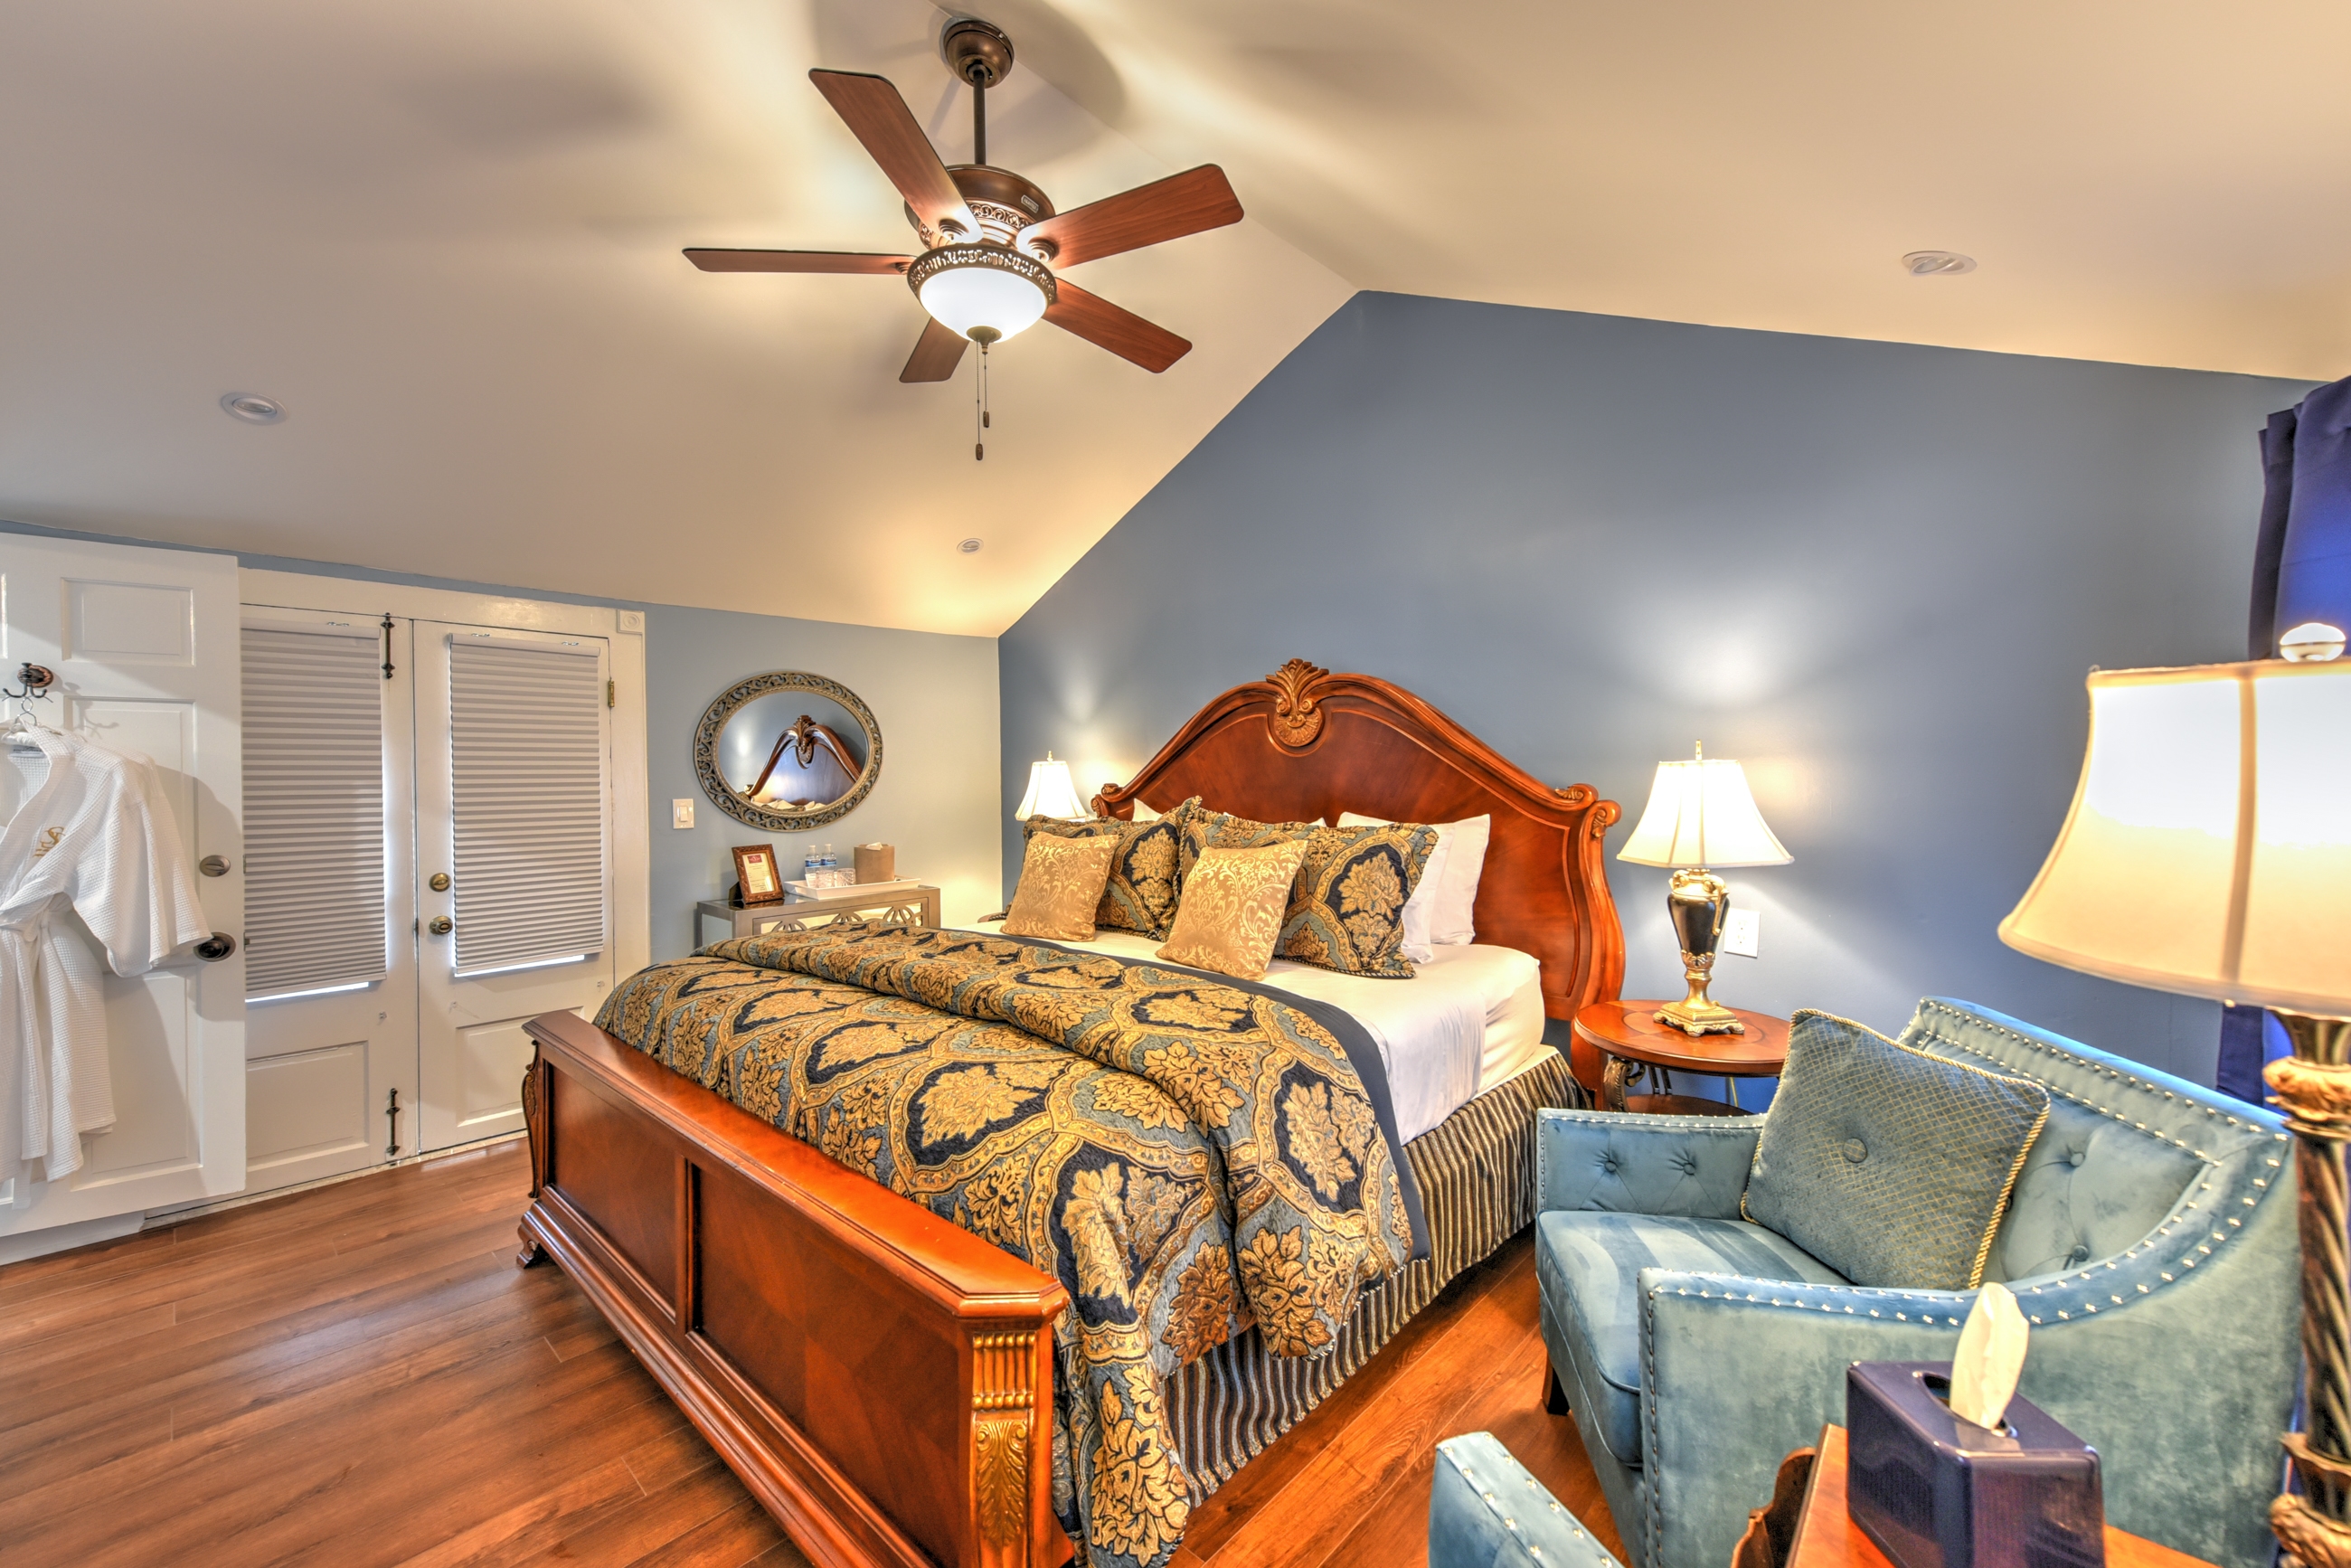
(446, 237)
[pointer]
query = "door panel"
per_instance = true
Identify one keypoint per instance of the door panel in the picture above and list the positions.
(144, 643)
(333, 1050)
(310, 1112)
(511, 761)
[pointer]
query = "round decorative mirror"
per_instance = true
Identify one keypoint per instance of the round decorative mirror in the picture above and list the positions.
(787, 750)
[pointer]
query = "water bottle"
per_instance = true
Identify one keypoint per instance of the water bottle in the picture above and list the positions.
(812, 869)
(832, 868)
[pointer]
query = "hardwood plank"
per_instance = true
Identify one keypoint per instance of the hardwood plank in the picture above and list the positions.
(742, 1532)
(357, 1375)
(1264, 1478)
(530, 1526)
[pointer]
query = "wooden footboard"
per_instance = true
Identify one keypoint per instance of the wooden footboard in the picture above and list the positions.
(881, 1380)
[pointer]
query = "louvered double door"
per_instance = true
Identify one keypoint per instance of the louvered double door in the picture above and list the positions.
(428, 865)
(514, 803)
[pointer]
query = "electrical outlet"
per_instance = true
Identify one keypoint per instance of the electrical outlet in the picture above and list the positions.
(681, 813)
(1742, 931)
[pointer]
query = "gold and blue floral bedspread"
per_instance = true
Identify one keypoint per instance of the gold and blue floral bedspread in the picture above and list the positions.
(1187, 1157)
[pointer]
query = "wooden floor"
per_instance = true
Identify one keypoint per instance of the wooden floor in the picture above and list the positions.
(360, 1375)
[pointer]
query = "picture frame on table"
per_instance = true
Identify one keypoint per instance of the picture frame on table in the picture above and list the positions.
(757, 876)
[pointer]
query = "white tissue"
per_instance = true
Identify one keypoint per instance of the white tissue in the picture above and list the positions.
(1989, 1359)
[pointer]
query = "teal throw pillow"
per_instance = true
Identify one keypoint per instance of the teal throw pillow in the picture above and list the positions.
(1890, 1166)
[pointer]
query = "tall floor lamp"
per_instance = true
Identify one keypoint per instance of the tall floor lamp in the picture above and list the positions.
(2209, 853)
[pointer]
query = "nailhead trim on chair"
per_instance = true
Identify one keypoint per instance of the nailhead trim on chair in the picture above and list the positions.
(1575, 1525)
(2026, 1040)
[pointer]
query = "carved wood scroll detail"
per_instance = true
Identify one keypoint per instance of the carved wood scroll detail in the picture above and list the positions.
(1003, 1400)
(1297, 711)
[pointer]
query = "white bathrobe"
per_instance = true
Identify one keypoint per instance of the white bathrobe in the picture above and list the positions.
(95, 836)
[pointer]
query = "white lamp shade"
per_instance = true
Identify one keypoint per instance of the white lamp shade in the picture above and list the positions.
(2208, 849)
(962, 297)
(1051, 793)
(1701, 813)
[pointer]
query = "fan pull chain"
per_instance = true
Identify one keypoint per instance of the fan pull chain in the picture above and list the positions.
(980, 407)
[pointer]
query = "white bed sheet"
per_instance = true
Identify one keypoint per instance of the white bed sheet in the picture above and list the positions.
(1471, 1018)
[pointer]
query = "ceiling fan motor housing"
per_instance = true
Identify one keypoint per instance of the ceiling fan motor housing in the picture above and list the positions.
(1003, 202)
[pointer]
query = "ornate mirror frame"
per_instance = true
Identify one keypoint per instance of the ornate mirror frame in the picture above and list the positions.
(724, 707)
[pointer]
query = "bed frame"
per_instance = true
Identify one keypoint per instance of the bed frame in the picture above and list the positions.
(879, 1379)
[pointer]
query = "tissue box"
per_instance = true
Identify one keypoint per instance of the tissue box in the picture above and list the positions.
(1935, 1491)
(877, 863)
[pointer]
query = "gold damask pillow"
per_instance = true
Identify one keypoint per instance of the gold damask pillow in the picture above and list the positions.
(1061, 883)
(1346, 910)
(1232, 909)
(1142, 893)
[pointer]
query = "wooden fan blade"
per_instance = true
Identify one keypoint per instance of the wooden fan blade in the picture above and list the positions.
(1106, 325)
(1167, 209)
(936, 354)
(880, 119)
(711, 259)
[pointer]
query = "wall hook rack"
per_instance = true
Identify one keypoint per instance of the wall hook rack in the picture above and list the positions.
(33, 681)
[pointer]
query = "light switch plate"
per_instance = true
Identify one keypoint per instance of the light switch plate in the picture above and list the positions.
(1742, 931)
(681, 813)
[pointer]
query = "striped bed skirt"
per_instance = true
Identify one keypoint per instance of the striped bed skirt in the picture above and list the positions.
(1477, 1175)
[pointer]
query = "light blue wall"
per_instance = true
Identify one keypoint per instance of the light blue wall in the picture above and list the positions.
(1875, 573)
(934, 696)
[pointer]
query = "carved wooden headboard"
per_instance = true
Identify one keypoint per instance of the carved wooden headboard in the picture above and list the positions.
(1304, 744)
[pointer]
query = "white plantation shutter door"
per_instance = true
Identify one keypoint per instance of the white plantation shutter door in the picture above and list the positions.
(313, 810)
(526, 802)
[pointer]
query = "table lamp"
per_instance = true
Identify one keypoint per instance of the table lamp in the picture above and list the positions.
(1700, 814)
(1051, 793)
(2209, 852)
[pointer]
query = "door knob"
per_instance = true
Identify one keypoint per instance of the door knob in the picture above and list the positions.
(213, 865)
(216, 947)
(441, 925)
(438, 882)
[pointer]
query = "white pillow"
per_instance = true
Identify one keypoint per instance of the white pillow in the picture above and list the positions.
(1449, 883)
(1143, 813)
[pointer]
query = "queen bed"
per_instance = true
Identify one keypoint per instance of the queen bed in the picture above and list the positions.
(772, 1176)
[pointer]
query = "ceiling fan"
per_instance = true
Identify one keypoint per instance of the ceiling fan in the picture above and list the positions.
(991, 240)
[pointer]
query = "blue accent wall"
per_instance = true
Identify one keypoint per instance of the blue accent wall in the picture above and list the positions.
(1875, 573)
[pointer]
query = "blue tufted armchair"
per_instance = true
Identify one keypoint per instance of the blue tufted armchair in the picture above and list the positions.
(2150, 1241)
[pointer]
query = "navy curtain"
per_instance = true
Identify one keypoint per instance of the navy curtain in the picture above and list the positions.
(2302, 572)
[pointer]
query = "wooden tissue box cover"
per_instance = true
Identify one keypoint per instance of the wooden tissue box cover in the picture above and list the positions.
(1935, 1491)
(877, 863)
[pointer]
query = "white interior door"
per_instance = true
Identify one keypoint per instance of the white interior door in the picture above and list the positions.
(144, 646)
(514, 844)
(331, 910)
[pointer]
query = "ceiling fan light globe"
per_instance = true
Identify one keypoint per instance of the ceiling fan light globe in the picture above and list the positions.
(976, 296)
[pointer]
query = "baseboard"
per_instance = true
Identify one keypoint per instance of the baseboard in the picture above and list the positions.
(26, 1244)
(161, 1217)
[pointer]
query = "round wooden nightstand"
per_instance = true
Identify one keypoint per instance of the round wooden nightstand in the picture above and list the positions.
(1634, 1042)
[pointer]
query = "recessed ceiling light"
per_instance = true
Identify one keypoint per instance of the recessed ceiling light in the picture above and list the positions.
(1936, 263)
(970, 546)
(253, 408)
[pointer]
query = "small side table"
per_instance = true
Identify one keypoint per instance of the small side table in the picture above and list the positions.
(1635, 1043)
(891, 906)
(1824, 1535)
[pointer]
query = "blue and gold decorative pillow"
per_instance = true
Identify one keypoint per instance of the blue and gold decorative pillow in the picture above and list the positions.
(1347, 908)
(1146, 884)
(1890, 1166)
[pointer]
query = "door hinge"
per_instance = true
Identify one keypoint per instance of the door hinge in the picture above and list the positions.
(610, 695)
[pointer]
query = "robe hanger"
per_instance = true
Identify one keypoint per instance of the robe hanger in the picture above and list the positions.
(33, 683)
